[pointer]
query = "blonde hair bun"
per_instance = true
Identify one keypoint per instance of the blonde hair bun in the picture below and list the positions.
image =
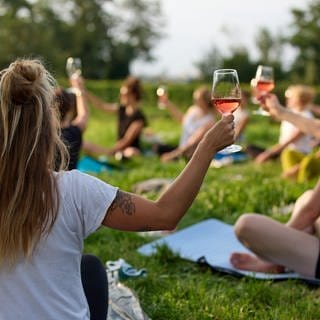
(21, 80)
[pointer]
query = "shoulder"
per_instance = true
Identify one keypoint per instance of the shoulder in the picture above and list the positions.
(139, 115)
(75, 178)
(193, 109)
(78, 184)
(191, 112)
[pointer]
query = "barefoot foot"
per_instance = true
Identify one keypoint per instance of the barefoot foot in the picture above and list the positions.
(249, 262)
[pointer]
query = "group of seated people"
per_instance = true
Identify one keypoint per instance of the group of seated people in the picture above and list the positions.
(46, 212)
(295, 149)
(131, 121)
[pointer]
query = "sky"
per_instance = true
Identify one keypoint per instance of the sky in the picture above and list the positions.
(193, 27)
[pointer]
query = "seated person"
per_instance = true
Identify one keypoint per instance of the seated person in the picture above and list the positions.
(277, 247)
(307, 167)
(131, 121)
(74, 115)
(292, 157)
(197, 120)
(291, 139)
(46, 215)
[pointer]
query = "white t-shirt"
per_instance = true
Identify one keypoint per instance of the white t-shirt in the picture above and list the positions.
(193, 120)
(287, 130)
(49, 286)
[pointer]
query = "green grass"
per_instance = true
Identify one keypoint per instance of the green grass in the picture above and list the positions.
(177, 289)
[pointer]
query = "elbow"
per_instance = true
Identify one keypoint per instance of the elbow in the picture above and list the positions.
(168, 224)
(167, 219)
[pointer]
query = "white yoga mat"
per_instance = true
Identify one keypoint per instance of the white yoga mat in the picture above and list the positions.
(212, 241)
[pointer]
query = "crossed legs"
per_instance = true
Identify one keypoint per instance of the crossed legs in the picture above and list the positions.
(276, 245)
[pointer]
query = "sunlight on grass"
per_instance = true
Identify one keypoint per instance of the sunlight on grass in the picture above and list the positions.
(177, 289)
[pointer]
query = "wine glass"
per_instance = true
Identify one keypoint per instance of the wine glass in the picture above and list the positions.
(73, 67)
(162, 94)
(264, 79)
(226, 97)
(262, 84)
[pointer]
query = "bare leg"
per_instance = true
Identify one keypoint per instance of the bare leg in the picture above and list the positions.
(130, 152)
(292, 172)
(94, 149)
(277, 244)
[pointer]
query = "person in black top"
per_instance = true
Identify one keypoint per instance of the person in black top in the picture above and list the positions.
(74, 117)
(131, 121)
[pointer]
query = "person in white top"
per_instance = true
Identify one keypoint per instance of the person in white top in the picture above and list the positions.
(298, 161)
(196, 121)
(45, 215)
(298, 99)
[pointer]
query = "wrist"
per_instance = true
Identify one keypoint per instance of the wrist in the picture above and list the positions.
(207, 149)
(78, 92)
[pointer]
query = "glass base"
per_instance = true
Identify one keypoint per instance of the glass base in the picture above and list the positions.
(230, 149)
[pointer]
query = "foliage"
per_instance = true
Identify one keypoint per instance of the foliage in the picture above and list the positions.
(178, 289)
(305, 38)
(240, 60)
(107, 35)
(211, 60)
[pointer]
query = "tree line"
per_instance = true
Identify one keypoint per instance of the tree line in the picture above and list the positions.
(110, 35)
(107, 35)
(302, 36)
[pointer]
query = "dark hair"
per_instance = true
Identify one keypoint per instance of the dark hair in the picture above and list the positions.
(66, 102)
(134, 86)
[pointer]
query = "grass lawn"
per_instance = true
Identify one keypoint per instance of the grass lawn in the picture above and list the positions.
(177, 289)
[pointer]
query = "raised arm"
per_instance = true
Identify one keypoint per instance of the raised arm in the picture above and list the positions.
(277, 149)
(307, 209)
(135, 213)
(82, 117)
(174, 111)
(310, 126)
(100, 104)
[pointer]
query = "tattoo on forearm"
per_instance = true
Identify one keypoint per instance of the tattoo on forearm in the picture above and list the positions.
(124, 202)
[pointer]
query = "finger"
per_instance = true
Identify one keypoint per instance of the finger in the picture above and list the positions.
(228, 117)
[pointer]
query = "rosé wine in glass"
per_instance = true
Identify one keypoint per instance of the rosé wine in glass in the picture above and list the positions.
(265, 85)
(262, 84)
(226, 105)
(226, 97)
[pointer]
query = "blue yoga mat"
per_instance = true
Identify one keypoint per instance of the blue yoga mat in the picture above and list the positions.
(212, 242)
(91, 165)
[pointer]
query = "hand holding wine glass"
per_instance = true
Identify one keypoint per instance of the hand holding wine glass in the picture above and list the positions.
(73, 67)
(162, 94)
(262, 84)
(264, 79)
(226, 97)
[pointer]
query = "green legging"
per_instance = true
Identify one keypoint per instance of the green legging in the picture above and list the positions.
(309, 165)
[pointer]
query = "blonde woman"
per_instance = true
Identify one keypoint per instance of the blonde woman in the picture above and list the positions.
(45, 215)
(293, 143)
(196, 121)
